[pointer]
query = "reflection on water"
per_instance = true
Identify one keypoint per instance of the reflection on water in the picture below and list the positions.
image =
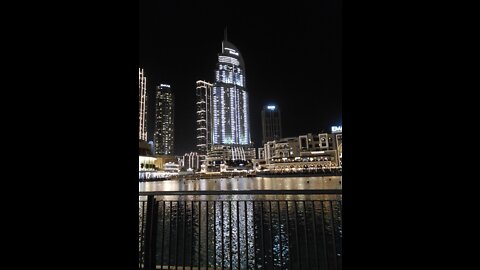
(246, 231)
(242, 183)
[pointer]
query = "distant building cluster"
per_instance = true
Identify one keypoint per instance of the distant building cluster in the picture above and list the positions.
(153, 154)
(309, 151)
(223, 141)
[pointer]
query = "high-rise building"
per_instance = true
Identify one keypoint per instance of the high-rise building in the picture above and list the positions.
(164, 120)
(230, 125)
(229, 131)
(271, 123)
(204, 125)
(142, 93)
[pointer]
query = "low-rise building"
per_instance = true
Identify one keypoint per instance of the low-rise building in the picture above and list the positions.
(191, 161)
(309, 151)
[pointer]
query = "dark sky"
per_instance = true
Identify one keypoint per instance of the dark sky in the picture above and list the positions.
(292, 55)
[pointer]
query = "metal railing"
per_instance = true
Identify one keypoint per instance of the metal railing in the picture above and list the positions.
(234, 233)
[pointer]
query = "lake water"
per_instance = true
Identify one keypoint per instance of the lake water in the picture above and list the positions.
(248, 231)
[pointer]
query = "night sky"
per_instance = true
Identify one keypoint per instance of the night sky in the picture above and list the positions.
(292, 59)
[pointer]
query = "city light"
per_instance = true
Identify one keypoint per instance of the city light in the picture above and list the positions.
(336, 129)
(271, 107)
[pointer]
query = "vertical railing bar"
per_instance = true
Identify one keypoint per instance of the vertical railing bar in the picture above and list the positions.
(215, 235)
(315, 234)
(192, 250)
(261, 234)
(148, 234)
(296, 236)
(306, 234)
(271, 233)
(333, 236)
(246, 231)
(170, 237)
(154, 234)
(140, 252)
(199, 233)
(254, 238)
(230, 234)
(341, 215)
(184, 233)
(163, 235)
(322, 218)
(223, 235)
(176, 235)
(339, 218)
(142, 237)
(288, 237)
(238, 234)
(206, 235)
(280, 233)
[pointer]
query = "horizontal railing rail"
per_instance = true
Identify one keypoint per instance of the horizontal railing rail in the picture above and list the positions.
(244, 192)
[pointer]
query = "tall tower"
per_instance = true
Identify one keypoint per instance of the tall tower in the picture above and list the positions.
(164, 120)
(142, 93)
(203, 92)
(230, 123)
(271, 123)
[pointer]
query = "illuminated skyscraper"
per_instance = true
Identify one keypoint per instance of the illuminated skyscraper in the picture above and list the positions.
(271, 123)
(164, 120)
(142, 93)
(230, 123)
(204, 125)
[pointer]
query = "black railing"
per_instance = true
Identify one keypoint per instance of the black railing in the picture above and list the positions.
(187, 232)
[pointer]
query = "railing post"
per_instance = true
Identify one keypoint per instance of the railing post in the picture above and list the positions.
(150, 234)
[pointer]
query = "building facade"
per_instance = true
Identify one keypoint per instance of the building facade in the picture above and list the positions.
(337, 134)
(191, 161)
(230, 119)
(271, 123)
(204, 125)
(164, 120)
(230, 115)
(161, 160)
(309, 151)
(142, 94)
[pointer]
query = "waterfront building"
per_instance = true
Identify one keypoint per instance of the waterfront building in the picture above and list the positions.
(305, 151)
